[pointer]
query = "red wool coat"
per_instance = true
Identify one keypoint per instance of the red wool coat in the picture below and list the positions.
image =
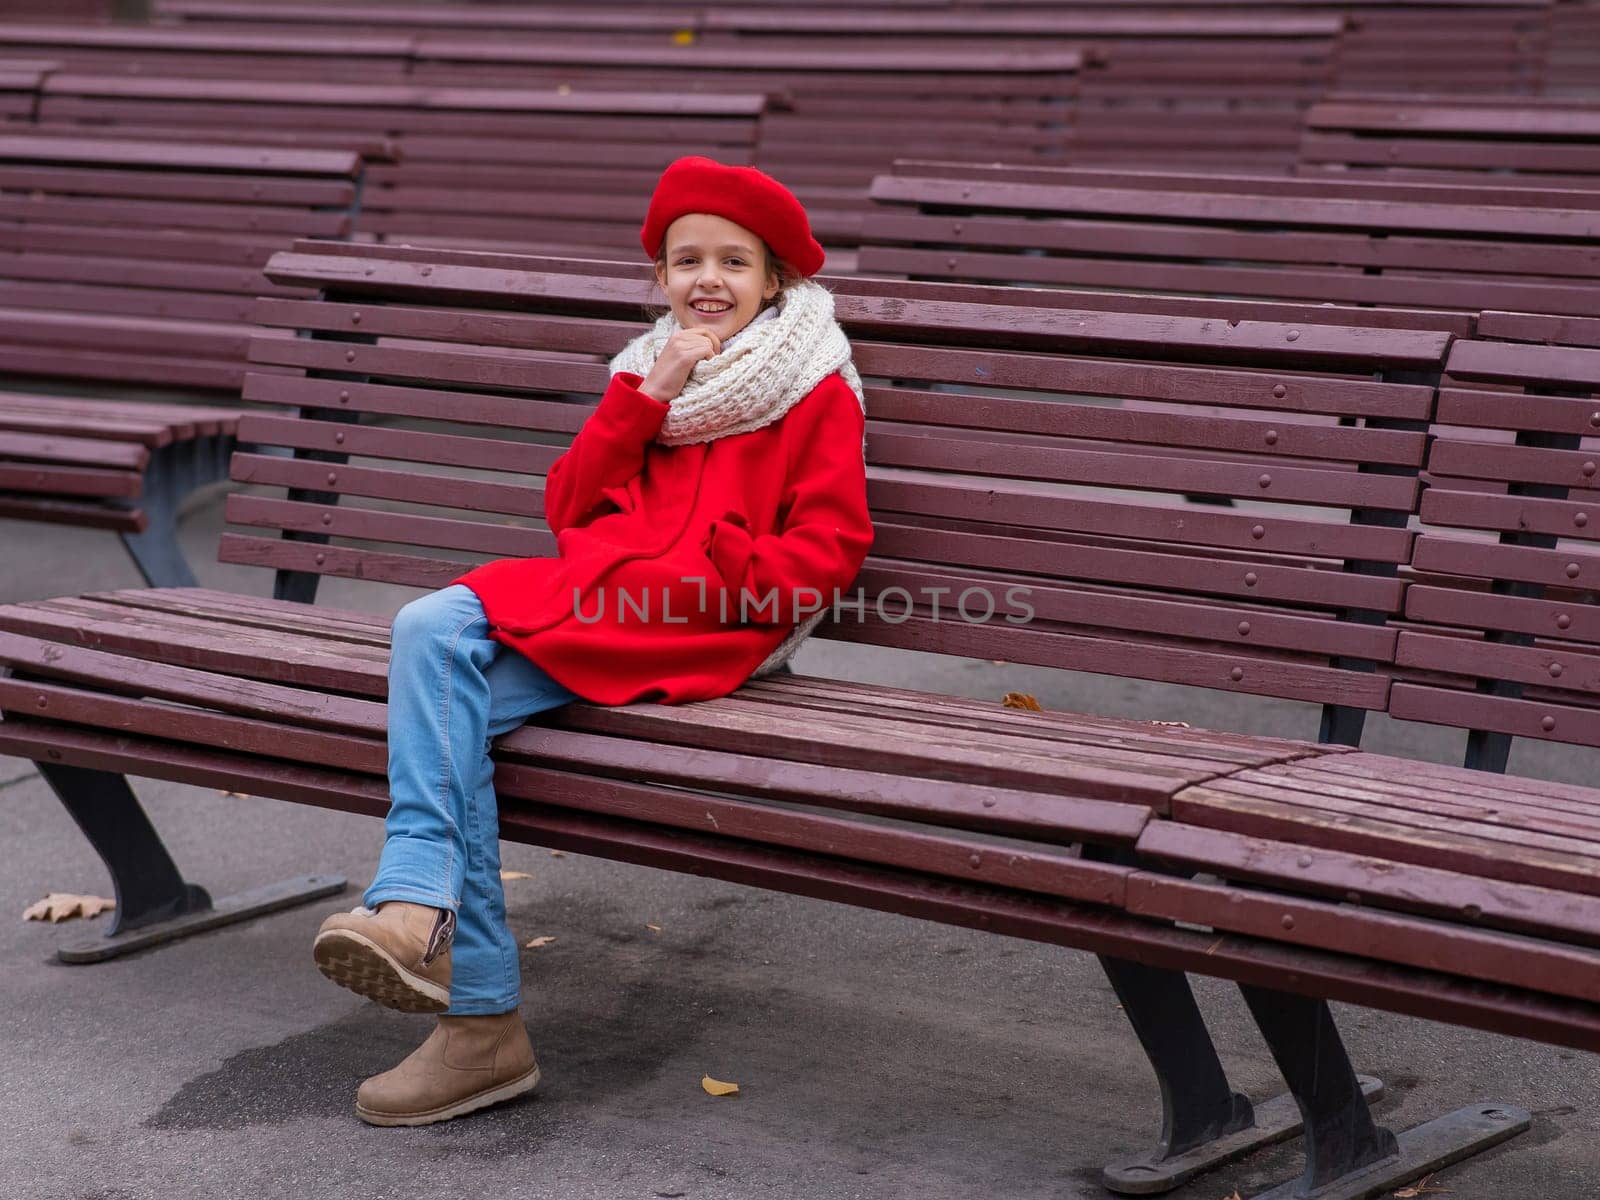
(656, 542)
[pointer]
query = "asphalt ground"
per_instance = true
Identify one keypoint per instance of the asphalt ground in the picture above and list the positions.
(878, 1057)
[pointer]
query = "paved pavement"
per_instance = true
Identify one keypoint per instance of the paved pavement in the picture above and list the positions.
(879, 1057)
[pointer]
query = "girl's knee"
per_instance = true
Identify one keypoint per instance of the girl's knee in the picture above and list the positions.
(431, 615)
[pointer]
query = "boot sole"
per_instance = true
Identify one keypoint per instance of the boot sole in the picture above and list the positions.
(460, 1108)
(367, 969)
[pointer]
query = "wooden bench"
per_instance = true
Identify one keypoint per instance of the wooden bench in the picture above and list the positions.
(625, 20)
(20, 80)
(1219, 236)
(1160, 84)
(471, 166)
(1573, 56)
(146, 50)
(1075, 830)
(131, 266)
(854, 111)
(1500, 628)
(1521, 141)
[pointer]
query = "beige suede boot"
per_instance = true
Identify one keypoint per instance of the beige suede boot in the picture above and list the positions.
(397, 954)
(466, 1064)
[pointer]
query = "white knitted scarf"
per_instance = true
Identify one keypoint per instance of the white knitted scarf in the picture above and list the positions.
(766, 369)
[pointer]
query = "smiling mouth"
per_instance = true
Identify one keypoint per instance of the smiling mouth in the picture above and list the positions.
(711, 308)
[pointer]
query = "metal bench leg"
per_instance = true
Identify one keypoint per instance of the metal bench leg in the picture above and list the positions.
(1205, 1123)
(1348, 1156)
(173, 473)
(155, 903)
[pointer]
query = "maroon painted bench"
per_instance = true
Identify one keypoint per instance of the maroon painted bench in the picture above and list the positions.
(1500, 627)
(1160, 83)
(854, 111)
(1209, 235)
(132, 266)
(587, 21)
(149, 50)
(509, 167)
(1071, 829)
(1534, 142)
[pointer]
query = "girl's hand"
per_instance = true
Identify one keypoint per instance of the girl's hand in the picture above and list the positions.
(678, 357)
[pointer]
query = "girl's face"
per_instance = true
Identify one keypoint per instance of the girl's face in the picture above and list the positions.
(715, 274)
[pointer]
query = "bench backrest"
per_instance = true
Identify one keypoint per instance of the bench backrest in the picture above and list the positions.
(1540, 142)
(854, 110)
(1503, 616)
(139, 262)
(157, 50)
(585, 20)
(495, 166)
(1178, 85)
(1008, 448)
(1179, 233)
(1573, 59)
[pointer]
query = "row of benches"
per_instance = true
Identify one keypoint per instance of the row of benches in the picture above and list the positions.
(84, 304)
(1503, 45)
(1184, 86)
(1032, 454)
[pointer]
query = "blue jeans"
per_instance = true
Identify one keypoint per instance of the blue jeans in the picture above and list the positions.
(452, 689)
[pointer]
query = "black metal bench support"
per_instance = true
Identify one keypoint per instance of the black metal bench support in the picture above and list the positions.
(1348, 1155)
(1205, 1123)
(155, 904)
(174, 472)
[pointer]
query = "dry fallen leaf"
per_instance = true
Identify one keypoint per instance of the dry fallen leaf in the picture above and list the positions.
(716, 1087)
(1021, 700)
(505, 875)
(538, 943)
(1174, 724)
(652, 928)
(58, 906)
(1421, 1188)
(558, 854)
(235, 795)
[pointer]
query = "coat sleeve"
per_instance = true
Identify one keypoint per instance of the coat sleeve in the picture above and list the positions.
(607, 452)
(826, 532)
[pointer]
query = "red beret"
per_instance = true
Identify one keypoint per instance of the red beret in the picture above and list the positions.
(743, 195)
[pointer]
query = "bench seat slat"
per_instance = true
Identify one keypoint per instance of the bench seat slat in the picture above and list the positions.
(1262, 817)
(63, 510)
(1386, 883)
(69, 480)
(1418, 942)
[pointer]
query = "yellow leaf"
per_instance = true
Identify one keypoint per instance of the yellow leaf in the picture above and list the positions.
(1021, 700)
(683, 37)
(715, 1087)
(652, 928)
(505, 875)
(1421, 1188)
(538, 943)
(59, 906)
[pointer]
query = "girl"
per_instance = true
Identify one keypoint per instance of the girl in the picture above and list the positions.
(703, 514)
